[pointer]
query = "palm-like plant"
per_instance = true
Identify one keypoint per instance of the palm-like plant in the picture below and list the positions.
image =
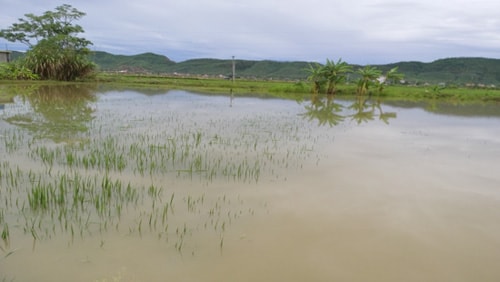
(391, 76)
(368, 77)
(316, 77)
(335, 73)
(332, 73)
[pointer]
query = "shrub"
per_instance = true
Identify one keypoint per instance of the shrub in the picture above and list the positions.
(16, 71)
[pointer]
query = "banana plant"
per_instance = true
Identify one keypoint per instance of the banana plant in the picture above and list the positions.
(392, 76)
(335, 74)
(369, 76)
(316, 76)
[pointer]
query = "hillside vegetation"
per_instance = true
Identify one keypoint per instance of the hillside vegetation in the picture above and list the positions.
(137, 63)
(450, 71)
(153, 63)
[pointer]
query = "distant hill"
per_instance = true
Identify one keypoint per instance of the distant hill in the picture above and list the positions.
(451, 71)
(146, 62)
(459, 71)
(153, 63)
(244, 68)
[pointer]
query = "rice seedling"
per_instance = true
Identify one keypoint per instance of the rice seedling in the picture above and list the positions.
(139, 173)
(5, 235)
(13, 140)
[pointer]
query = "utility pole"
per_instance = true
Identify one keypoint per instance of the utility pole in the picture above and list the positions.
(231, 97)
(234, 69)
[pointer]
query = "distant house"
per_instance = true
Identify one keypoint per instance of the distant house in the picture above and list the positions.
(4, 56)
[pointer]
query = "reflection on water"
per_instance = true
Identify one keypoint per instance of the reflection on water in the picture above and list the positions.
(130, 186)
(362, 109)
(56, 112)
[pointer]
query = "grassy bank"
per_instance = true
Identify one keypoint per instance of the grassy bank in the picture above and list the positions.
(206, 85)
(267, 88)
(294, 89)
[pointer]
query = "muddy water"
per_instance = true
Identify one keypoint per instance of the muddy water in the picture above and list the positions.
(372, 193)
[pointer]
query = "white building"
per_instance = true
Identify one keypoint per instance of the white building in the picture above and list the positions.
(4, 56)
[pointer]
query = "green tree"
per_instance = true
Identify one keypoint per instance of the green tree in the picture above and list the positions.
(394, 76)
(316, 77)
(331, 74)
(369, 76)
(391, 76)
(55, 50)
(335, 73)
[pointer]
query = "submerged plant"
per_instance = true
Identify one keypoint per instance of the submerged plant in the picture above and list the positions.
(5, 235)
(134, 174)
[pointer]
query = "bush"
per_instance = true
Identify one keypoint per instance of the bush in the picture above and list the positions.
(16, 71)
(48, 60)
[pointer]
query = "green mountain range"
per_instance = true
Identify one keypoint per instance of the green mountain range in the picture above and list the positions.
(153, 63)
(458, 71)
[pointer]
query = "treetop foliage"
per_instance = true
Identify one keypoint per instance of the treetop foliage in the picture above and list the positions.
(51, 24)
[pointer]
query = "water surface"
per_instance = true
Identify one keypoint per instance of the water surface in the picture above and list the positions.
(248, 189)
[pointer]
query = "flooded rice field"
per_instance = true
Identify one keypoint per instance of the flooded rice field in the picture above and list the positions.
(177, 186)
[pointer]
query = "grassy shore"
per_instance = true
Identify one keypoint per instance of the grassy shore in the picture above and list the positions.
(267, 88)
(298, 89)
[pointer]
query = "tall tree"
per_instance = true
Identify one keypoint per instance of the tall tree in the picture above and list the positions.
(55, 50)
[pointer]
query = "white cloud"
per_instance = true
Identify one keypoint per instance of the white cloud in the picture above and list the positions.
(361, 31)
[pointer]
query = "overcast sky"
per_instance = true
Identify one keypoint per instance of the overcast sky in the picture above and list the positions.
(358, 31)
